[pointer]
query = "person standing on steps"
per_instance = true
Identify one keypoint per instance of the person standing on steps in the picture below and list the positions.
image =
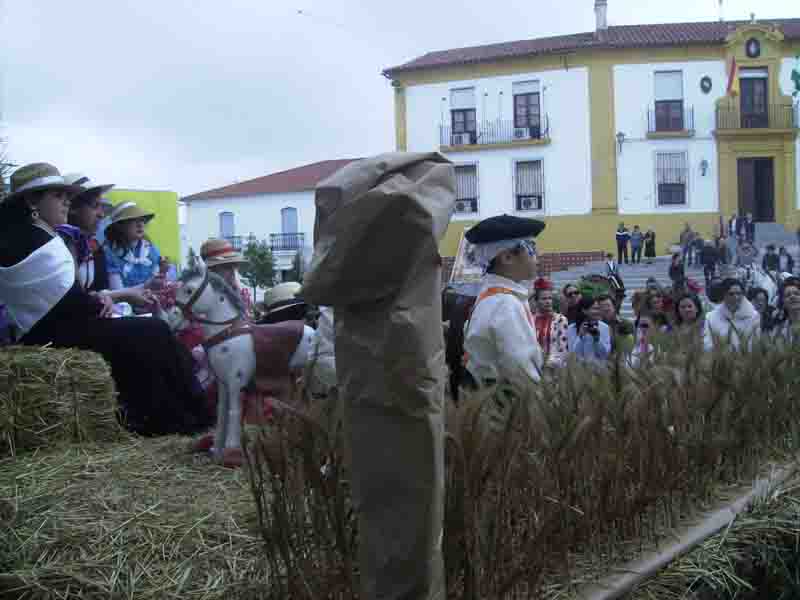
(637, 240)
(709, 259)
(750, 229)
(650, 246)
(735, 232)
(623, 237)
(785, 261)
(686, 239)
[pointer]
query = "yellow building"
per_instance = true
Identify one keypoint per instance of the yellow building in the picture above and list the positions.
(163, 230)
(655, 125)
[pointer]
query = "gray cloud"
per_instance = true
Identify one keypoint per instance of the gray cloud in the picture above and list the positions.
(190, 95)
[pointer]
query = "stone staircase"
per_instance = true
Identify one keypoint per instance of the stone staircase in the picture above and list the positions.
(635, 276)
(774, 233)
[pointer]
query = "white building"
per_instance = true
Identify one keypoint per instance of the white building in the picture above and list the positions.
(630, 123)
(277, 208)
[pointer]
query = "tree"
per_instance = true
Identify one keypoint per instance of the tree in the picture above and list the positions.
(297, 271)
(260, 271)
(6, 167)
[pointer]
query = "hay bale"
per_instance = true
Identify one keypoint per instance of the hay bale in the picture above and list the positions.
(50, 395)
(138, 519)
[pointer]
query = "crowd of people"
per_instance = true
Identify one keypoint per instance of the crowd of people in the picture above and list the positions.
(521, 328)
(77, 272)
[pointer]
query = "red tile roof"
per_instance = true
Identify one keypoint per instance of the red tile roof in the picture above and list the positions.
(298, 179)
(626, 36)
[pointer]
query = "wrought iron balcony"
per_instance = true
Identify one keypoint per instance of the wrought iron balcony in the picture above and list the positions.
(236, 241)
(670, 117)
(286, 241)
(495, 132)
(774, 116)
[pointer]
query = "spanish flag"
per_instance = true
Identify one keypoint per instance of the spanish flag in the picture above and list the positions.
(733, 79)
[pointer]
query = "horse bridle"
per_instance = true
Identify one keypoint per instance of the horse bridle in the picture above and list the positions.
(186, 308)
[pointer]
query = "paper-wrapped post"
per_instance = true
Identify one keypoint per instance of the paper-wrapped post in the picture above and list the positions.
(376, 261)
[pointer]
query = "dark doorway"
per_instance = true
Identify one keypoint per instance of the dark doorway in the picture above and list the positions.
(757, 188)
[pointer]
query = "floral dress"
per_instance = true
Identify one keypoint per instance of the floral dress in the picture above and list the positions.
(136, 264)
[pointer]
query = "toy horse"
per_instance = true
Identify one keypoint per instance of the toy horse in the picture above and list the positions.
(239, 352)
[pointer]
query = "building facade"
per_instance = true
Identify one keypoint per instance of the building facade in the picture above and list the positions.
(276, 208)
(655, 125)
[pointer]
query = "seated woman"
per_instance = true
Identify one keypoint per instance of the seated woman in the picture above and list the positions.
(222, 259)
(47, 305)
(132, 260)
(87, 208)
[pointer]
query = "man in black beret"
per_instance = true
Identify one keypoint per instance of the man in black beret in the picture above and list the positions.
(500, 341)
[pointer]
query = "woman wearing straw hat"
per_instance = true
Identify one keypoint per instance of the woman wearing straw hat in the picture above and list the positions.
(222, 259)
(87, 209)
(283, 303)
(132, 260)
(47, 305)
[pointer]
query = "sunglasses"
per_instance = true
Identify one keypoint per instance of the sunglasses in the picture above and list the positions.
(529, 247)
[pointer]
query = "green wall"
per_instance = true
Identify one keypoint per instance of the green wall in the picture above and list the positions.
(163, 230)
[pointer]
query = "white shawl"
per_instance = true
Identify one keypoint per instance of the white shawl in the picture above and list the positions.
(32, 287)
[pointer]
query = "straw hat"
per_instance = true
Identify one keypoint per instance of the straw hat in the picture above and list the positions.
(282, 302)
(216, 252)
(129, 210)
(37, 177)
(87, 187)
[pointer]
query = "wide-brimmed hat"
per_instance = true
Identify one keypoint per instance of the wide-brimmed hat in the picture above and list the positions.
(216, 252)
(282, 297)
(84, 186)
(36, 177)
(126, 211)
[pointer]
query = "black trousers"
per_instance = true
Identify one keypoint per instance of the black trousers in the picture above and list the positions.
(622, 251)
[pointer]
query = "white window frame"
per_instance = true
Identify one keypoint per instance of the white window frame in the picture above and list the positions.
(233, 223)
(466, 216)
(514, 163)
(672, 207)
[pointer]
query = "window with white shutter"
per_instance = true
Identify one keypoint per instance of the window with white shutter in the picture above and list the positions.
(466, 189)
(669, 101)
(227, 227)
(672, 178)
(529, 185)
(463, 120)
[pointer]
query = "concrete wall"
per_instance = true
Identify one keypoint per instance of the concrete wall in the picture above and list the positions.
(634, 94)
(566, 159)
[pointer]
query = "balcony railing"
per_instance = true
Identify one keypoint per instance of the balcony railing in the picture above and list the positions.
(494, 132)
(776, 116)
(675, 119)
(237, 241)
(286, 241)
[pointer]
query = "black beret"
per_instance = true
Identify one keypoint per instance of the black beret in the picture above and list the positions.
(504, 227)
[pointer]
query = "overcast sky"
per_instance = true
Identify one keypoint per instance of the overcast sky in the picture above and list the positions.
(193, 94)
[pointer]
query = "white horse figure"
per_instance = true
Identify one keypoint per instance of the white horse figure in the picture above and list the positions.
(237, 350)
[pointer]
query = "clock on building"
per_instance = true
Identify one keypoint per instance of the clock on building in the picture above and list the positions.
(753, 48)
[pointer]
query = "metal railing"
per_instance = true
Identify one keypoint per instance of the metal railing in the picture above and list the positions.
(657, 123)
(495, 132)
(286, 241)
(237, 241)
(776, 116)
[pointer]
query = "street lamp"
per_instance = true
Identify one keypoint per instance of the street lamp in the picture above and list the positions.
(703, 167)
(620, 140)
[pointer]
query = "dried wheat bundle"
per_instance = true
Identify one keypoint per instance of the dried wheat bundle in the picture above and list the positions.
(50, 395)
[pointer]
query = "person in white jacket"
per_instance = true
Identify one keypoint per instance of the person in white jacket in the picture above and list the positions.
(734, 322)
(500, 343)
